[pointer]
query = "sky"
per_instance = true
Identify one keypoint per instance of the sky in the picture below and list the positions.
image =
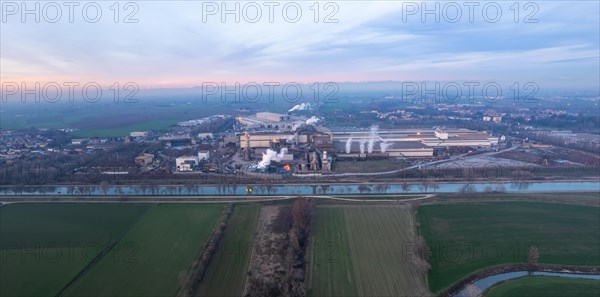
(183, 44)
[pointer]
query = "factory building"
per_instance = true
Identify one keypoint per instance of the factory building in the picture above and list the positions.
(429, 137)
(137, 134)
(270, 120)
(204, 155)
(305, 148)
(186, 163)
(176, 141)
(399, 149)
(406, 142)
(267, 140)
(400, 143)
(144, 159)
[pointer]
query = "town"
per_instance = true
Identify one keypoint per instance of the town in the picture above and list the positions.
(298, 144)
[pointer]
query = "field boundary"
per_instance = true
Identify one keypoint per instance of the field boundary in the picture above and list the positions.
(205, 256)
(90, 265)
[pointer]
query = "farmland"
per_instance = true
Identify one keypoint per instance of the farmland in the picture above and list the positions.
(360, 251)
(369, 165)
(116, 119)
(44, 246)
(231, 260)
(541, 286)
(151, 256)
(466, 237)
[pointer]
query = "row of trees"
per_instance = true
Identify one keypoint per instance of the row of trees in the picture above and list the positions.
(284, 254)
(191, 280)
(302, 213)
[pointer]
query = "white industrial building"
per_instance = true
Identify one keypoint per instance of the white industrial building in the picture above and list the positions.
(186, 163)
(407, 142)
(429, 137)
(203, 155)
(265, 139)
(270, 120)
(138, 134)
(204, 135)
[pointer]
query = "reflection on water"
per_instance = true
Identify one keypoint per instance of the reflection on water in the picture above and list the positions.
(244, 190)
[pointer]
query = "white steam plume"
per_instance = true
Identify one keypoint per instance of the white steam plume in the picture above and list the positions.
(271, 155)
(302, 106)
(313, 120)
(362, 145)
(296, 125)
(372, 138)
(348, 145)
(384, 146)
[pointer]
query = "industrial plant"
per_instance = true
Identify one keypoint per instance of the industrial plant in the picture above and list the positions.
(302, 146)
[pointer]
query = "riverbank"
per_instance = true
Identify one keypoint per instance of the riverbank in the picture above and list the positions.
(458, 287)
(430, 187)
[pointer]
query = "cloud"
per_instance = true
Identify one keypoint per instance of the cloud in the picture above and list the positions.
(171, 45)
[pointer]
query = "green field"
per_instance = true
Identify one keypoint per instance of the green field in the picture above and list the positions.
(466, 237)
(149, 260)
(369, 165)
(542, 286)
(106, 118)
(44, 246)
(231, 261)
(125, 130)
(360, 251)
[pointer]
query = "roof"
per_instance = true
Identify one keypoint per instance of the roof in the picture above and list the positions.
(394, 145)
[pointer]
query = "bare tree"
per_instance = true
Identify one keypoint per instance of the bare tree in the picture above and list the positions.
(533, 257)
(367, 189)
(362, 188)
(433, 184)
(385, 188)
(405, 186)
(104, 187)
(189, 188)
(467, 188)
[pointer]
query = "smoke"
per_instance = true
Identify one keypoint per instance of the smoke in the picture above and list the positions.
(362, 145)
(289, 139)
(384, 146)
(296, 125)
(303, 106)
(271, 155)
(348, 145)
(372, 138)
(313, 120)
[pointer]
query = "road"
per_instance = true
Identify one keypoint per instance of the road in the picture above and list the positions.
(214, 199)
